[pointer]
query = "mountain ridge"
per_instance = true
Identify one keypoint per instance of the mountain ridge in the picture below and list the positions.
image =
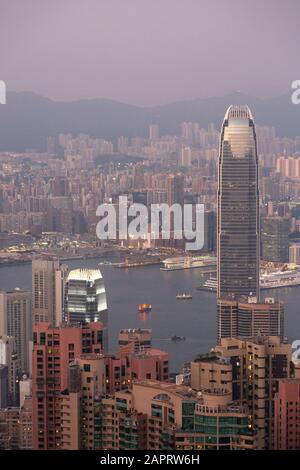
(27, 119)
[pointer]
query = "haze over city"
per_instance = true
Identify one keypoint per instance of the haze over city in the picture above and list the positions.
(149, 52)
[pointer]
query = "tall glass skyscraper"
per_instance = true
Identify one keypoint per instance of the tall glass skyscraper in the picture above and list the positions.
(238, 206)
(86, 299)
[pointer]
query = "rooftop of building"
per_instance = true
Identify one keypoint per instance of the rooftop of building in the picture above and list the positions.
(238, 112)
(211, 357)
(85, 275)
(134, 331)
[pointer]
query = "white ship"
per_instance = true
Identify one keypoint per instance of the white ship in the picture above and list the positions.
(184, 296)
(188, 262)
(271, 280)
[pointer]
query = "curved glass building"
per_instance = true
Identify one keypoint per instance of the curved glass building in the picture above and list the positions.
(86, 299)
(238, 206)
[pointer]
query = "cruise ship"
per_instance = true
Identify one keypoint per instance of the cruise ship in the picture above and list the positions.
(273, 280)
(188, 262)
(286, 278)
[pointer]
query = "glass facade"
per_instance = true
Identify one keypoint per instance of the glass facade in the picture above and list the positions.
(238, 206)
(86, 299)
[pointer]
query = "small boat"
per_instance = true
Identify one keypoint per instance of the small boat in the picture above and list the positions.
(145, 308)
(184, 296)
(177, 338)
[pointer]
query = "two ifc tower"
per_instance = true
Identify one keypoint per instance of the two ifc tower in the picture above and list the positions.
(238, 207)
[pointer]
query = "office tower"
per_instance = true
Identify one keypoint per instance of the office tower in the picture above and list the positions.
(153, 132)
(3, 386)
(186, 156)
(258, 365)
(86, 299)
(61, 275)
(246, 317)
(15, 321)
(43, 290)
(238, 206)
(53, 350)
(294, 253)
(9, 358)
(210, 232)
(175, 190)
(287, 415)
(275, 238)
(134, 340)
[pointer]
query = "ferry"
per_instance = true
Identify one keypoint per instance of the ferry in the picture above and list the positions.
(268, 280)
(145, 308)
(188, 262)
(184, 296)
(283, 278)
(210, 285)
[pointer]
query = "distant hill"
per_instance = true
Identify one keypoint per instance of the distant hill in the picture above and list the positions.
(28, 119)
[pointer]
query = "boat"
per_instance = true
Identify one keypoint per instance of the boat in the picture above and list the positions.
(268, 280)
(210, 285)
(177, 338)
(281, 278)
(184, 296)
(145, 308)
(188, 262)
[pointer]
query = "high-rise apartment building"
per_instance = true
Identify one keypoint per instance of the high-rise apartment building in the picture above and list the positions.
(61, 276)
(161, 416)
(3, 386)
(287, 415)
(238, 206)
(43, 290)
(275, 238)
(258, 366)
(9, 358)
(54, 349)
(186, 157)
(15, 321)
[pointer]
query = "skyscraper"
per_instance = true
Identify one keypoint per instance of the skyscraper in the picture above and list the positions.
(238, 206)
(43, 290)
(15, 321)
(54, 349)
(175, 190)
(86, 299)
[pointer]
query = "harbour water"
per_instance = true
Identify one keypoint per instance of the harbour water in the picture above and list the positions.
(194, 319)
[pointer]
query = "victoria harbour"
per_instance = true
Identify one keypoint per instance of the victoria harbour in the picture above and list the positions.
(193, 319)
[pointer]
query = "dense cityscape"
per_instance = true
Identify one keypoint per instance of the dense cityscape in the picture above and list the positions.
(61, 388)
(149, 232)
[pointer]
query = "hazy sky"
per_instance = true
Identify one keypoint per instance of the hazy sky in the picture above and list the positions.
(149, 52)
